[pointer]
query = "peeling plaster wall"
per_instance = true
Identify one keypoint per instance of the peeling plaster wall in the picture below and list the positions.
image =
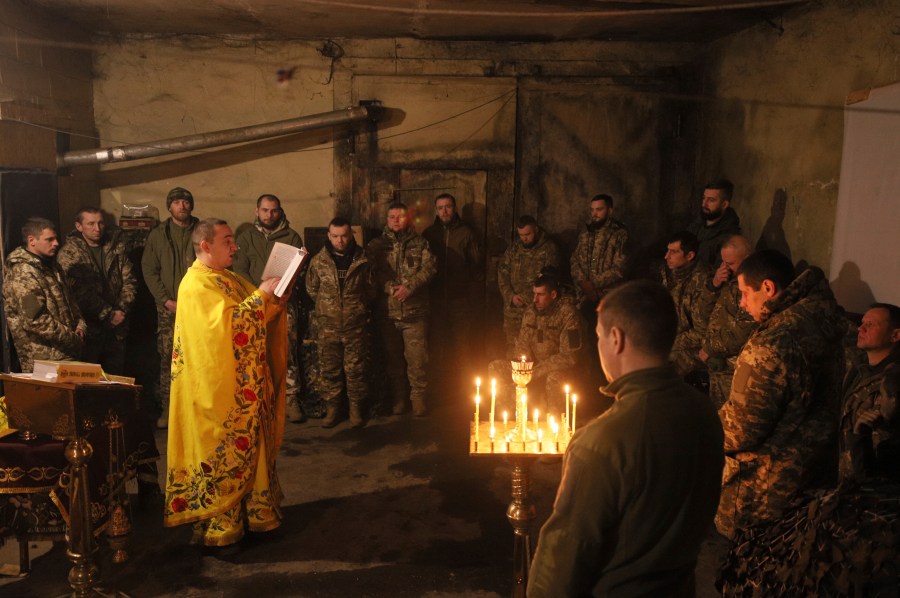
(150, 89)
(776, 125)
(156, 89)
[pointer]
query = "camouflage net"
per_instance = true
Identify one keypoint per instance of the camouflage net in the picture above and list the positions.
(841, 542)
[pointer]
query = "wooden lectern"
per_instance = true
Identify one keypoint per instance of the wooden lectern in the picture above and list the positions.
(71, 411)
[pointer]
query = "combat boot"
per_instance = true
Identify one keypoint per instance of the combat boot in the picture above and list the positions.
(357, 420)
(332, 416)
(294, 412)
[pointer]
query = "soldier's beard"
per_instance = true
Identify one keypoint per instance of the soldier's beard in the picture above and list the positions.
(269, 225)
(710, 215)
(596, 224)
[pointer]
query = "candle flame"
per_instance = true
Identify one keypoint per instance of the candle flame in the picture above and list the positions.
(477, 381)
(523, 359)
(567, 389)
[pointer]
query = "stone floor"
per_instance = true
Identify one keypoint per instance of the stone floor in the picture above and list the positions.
(395, 509)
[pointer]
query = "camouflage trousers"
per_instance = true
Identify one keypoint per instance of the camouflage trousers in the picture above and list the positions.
(343, 355)
(293, 382)
(546, 392)
(165, 334)
(406, 354)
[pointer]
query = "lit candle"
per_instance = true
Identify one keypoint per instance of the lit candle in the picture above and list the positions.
(574, 406)
(537, 421)
(477, 408)
(505, 421)
(567, 404)
(523, 359)
(477, 386)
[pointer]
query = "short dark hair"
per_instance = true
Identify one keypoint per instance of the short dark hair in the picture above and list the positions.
(79, 216)
(723, 185)
(551, 281)
(205, 230)
(645, 312)
(604, 198)
(526, 220)
(338, 222)
(397, 205)
(34, 226)
(446, 196)
(767, 264)
(268, 196)
(893, 313)
(687, 239)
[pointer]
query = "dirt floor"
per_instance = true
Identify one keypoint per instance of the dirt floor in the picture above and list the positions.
(394, 509)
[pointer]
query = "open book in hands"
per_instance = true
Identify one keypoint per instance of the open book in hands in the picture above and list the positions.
(284, 262)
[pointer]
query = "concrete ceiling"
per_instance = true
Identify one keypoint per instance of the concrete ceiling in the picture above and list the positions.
(532, 20)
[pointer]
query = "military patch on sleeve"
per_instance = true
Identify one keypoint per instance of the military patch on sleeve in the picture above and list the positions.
(31, 306)
(574, 338)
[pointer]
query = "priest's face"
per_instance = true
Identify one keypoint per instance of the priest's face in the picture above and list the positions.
(221, 249)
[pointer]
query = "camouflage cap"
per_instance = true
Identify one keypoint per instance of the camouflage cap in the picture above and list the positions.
(179, 193)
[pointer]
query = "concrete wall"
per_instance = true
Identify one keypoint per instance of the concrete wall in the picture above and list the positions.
(157, 88)
(775, 125)
(46, 82)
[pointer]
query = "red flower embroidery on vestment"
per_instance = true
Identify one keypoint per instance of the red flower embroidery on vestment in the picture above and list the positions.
(241, 339)
(179, 505)
(249, 395)
(242, 443)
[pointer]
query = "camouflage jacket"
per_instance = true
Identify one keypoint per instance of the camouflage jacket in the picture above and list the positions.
(99, 292)
(520, 265)
(160, 265)
(779, 421)
(41, 310)
(694, 302)
(460, 262)
(729, 327)
(254, 247)
(337, 307)
(552, 338)
(600, 256)
(402, 259)
(862, 385)
(712, 237)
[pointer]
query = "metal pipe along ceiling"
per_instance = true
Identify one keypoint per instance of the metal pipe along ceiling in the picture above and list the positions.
(366, 111)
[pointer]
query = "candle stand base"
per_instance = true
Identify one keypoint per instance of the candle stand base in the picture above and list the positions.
(521, 514)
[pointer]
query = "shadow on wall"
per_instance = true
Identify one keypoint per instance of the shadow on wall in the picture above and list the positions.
(772, 236)
(849, 287)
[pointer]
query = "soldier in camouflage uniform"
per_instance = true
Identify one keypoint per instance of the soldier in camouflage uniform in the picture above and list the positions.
(104, 287)
(879, 338)
(254, 246)
(552, 336)
(340, 282)
(779, 420)
(686, 279)
(729, 325)
(599, 260)
(168, 253)
(521, 263)
(41, 311)
(403, 265)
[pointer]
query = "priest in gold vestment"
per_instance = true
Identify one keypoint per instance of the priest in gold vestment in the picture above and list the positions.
(226, 415)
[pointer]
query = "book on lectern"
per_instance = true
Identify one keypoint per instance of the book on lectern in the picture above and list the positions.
(284, 262)
(66, 371)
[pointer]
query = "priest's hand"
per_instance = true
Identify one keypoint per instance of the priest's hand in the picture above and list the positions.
(269, 285)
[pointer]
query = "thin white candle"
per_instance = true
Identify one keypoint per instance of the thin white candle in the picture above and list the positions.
(477, 408)
(574, 407)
